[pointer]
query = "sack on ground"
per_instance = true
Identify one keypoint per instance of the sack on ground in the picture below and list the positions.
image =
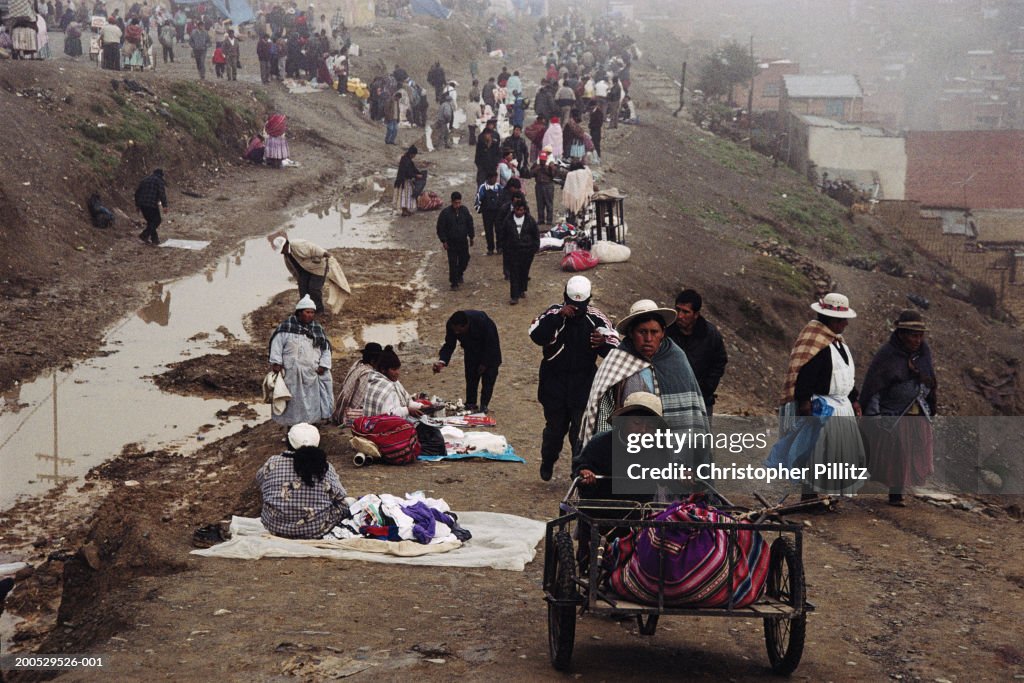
(578, 260)
(610, 252)
(394, 437)
(429, 201)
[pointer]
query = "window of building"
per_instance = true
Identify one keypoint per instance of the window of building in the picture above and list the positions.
(834, 108)
(770, 90)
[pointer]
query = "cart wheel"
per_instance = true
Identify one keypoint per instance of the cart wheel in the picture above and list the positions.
(784, 638)
(647, 626)
(562, 618)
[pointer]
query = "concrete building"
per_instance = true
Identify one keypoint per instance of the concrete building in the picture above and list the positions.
(868, 157)
(834, 97)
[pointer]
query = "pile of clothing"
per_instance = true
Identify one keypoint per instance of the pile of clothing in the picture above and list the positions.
(390, 518)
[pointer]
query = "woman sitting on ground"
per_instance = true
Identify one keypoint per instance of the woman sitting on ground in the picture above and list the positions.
(302, 494)
(385, 395)
(349, 404)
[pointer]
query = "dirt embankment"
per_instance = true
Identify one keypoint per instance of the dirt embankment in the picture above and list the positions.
(900, 593)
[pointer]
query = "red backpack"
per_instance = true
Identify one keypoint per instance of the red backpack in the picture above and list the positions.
(393, 436)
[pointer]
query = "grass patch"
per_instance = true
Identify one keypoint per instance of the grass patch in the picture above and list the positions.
(782, 276)
(729, 155)
(95, 157)
(812, 214)
(135, 126)
(203, 114)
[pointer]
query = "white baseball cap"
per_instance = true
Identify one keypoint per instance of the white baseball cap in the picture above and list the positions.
(577, 288)
(279, 243)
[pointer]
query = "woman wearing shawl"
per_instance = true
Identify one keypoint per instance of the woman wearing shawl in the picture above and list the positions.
(553, 138)
(349, 404)
(898, 395)
(385, 394)
(133, 45)
(299, 347)
(277, 146)
(648, 361)
(820, 384)
(405, 199)
(73, 39)
(535, 134)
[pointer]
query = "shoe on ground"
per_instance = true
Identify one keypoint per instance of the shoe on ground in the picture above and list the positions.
(472, 407)
(896, 500)
(513, 302)
(455, 285)
(490, 252)
(547, 469)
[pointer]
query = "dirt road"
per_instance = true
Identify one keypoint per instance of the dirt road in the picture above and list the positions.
(926, 593)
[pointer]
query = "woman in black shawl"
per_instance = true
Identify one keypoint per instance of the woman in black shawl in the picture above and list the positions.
(405, 195)
(898, 398)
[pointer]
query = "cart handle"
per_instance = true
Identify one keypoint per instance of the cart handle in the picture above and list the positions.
(575, 485)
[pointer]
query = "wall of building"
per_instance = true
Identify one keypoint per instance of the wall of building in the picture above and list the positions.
(852, 149)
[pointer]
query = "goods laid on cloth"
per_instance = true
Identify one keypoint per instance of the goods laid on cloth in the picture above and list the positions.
(691, 562)
(576, 261)
(462, 445)
(551, 244)
(499, 541)
(394, 437)
(609, 252)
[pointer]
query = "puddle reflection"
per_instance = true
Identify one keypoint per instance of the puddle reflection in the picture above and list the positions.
(105, 402)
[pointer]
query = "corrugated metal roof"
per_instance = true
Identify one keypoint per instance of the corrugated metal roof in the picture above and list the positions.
(822, 86)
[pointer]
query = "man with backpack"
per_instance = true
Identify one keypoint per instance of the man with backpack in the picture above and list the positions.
(488, 205)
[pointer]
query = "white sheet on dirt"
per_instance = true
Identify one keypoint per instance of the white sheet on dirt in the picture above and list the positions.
(499, 541)
(194, 245)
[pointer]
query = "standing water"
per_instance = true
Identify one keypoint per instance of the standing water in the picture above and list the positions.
(61, 425)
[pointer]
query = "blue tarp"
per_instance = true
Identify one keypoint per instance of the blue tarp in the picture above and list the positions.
(431, 7)
(238, 11)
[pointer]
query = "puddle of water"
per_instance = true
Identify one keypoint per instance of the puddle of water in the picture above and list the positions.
(63, 424)
(384, 334)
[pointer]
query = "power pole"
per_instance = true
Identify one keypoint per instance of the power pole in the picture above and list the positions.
(750, 95)
(682, 92)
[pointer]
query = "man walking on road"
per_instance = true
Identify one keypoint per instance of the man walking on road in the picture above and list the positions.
(200, 42)
(478, 335)
(455, 230)
(573, 335)
(392, 112)
(702, 343)
(150, 195)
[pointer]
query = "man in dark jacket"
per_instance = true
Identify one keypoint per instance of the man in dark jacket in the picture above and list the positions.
(478, 336)
(702, 343)
(573, 334)
(150, 195)
(436, 78)
(488, 154)
(521, 241)
(455, 230)
(520, 152)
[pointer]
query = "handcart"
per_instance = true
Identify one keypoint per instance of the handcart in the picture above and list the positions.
(575, 581)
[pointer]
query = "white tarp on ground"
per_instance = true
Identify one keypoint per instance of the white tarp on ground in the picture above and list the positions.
(499, 541)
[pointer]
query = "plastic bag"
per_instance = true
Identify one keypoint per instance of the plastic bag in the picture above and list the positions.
(578, 260)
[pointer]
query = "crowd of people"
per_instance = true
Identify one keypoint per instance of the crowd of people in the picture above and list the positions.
(656, 361)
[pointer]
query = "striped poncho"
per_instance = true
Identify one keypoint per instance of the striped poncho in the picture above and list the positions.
(667, 375)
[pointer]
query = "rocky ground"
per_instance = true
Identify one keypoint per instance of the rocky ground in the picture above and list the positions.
(928, 592)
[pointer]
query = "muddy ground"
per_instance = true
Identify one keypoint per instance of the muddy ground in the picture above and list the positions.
(928, 592)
